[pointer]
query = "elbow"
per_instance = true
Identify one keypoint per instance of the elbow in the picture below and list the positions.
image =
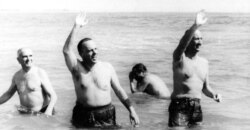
(65, 50)
(53, 98)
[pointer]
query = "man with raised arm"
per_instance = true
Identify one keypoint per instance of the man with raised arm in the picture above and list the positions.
(143, 81)
(93, 81)
(33, 86)
(190, 78)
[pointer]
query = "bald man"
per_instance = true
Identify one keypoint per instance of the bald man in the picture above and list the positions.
(93, 81)
(33, 86)
(190, 78)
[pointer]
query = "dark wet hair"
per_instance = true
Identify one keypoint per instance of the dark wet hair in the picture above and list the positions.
(80, 44)
(139, 68)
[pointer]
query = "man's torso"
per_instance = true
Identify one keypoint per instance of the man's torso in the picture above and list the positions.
(93, 87)
(189, 77)
(29, 88)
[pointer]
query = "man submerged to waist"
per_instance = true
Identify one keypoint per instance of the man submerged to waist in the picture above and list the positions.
(93, 82)
(32, 84)
(190, 75)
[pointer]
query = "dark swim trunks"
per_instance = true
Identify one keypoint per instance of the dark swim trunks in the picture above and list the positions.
(45, 108)
(103, 116)
(184, 112)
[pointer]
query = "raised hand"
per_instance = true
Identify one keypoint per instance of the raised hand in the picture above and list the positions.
(218, 98)
(81, 19)
(200, 18)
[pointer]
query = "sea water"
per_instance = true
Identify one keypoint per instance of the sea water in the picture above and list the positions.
(125, 39)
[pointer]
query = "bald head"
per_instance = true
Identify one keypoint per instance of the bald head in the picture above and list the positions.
(21, 51)
(197, 33)
(25, 58)
(195, 43)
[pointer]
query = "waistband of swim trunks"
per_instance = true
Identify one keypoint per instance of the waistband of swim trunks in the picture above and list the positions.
(186, 99)
(93, 108)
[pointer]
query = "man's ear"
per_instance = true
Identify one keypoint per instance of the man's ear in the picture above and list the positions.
(18, 59)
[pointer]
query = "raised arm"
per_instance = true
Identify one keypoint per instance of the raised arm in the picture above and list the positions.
(70, 57)
(121, 94)
(186, 39)
(9, 93)
(47, 87)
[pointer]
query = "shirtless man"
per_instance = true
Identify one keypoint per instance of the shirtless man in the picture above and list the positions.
(143, 81)
(33, 86)
(190, 78)
(93, 81)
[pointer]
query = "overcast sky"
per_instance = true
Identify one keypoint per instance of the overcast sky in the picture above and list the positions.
(128, 5)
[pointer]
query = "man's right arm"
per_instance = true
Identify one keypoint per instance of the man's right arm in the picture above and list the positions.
(9, 93)
(70, 57)
(184, 42)
(186, 39)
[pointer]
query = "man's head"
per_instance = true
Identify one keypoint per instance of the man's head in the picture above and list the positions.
(139, 71)
(87, 49)
(195, 43)
(25, 57)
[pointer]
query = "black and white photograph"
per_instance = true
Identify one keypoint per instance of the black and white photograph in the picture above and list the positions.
(125, 64)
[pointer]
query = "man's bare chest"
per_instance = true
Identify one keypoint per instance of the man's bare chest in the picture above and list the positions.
(100, 79)
(28, 83)
(191, 69)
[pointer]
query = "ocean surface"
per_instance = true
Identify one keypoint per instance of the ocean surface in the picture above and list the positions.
(125, 39)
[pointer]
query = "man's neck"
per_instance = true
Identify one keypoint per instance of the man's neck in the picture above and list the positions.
(26, 69)
(88, 65)
(190, 54)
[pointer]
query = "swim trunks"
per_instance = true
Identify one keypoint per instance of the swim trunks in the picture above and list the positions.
(45, 108)
(103, 116)
(184, 112)
(24, 110)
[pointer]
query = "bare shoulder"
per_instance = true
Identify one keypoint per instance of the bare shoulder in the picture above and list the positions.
(178, 63)
(203, 60)
(105, 64)
(153, 77)
(17, 74)
(40, 71)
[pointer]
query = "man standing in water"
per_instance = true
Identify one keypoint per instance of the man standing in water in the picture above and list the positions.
(143, 81)
(93, 81)
(190, 78)
(33, 86)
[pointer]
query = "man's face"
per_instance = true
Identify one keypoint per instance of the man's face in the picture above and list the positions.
(196, 41)
(89, 53)
(26, 58)
(139, 75)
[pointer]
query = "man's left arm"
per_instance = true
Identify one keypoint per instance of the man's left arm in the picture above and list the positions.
(47, 86)
(208, 91)
(121, 94)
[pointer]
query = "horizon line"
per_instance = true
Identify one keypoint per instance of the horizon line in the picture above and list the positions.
(76, 11)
